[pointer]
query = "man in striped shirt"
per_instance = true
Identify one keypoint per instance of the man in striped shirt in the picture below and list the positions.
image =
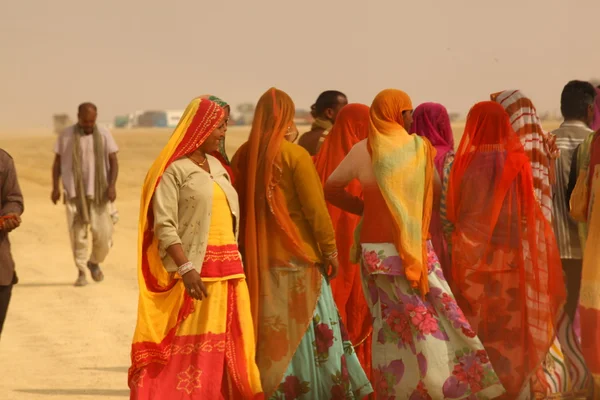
(577, 108)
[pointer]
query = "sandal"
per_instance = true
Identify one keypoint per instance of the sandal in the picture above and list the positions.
(97, 274)
(81, 280)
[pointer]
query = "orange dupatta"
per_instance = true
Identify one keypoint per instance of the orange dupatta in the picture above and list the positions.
(351, 126)
(163, 304)
(282, 303)
(404, 169)
(505, 261)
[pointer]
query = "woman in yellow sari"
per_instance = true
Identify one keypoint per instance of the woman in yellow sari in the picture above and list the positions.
(288, 245)
(194, 337)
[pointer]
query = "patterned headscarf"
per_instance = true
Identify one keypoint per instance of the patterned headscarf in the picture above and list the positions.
(224, 105)
(431, 120)
(525, 122)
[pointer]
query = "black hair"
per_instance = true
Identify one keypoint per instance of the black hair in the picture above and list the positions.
(328, 99)
(575, 100)
(86, 106)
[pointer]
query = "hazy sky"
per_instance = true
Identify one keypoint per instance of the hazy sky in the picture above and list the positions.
(128, 55)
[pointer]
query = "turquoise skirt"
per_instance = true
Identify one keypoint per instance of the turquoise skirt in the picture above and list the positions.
(325, 365)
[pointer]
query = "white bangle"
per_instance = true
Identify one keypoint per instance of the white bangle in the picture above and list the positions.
(185, 268)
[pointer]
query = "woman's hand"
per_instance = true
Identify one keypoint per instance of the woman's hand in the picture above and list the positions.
(331, 269)
(194, 285)
(191, 279)
(11, 222)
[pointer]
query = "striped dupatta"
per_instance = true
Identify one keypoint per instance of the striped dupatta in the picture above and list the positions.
(526, 124)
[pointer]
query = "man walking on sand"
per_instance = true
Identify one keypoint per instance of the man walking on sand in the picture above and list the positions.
(11, 208)
(86, 158)
(324, 111)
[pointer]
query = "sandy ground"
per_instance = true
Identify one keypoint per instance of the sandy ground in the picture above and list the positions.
(59, 341)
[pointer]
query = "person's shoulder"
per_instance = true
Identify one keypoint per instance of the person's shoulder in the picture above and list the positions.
(569, 130)
(104, 130)
(316, 131)
(178, 167)
(313, 133)
(309, 137)
(67, 132)
(294, 150)
(5, 156)
(361, 144)
(293, 154)
(6, 161)
(308, 132)
(359, 147)
(561, 131)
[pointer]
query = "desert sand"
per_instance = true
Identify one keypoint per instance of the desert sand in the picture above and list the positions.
(59, 341)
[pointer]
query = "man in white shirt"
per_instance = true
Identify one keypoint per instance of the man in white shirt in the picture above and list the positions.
(577, 107)
(86, 159)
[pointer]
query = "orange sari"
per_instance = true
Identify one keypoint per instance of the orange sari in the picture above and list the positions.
(505, 261)
(352, 126)
(270, 241)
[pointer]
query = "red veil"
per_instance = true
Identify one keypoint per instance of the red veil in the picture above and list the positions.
(505, 261)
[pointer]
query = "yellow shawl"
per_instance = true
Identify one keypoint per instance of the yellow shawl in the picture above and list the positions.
(404, 168)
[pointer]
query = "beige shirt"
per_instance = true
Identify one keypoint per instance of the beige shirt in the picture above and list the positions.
(64, 148)
(182, 206)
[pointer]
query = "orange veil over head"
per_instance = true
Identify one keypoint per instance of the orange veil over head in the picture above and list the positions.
(505, 261)
(351, 126)
(163, 303)
(404, 170)
(282, 303)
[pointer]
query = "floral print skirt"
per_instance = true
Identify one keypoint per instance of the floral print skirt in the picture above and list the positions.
(325, 365)
(423, 348)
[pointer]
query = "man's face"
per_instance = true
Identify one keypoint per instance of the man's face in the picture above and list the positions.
(87, 120)
(332, 113)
